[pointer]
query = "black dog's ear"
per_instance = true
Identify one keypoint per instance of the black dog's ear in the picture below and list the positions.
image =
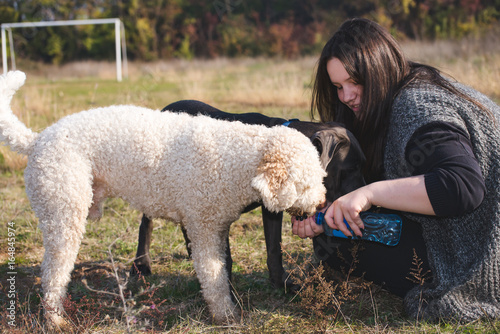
(326, 142)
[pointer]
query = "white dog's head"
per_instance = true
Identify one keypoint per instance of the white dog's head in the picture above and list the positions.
(290, 175)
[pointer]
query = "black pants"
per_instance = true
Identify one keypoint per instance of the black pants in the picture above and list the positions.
(388, 266)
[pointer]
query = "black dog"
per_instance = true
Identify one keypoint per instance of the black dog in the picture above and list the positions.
(340, 154)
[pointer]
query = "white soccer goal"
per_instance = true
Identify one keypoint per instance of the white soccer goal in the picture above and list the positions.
(119, 40)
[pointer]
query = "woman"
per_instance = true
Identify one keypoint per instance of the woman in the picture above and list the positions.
(432, 148)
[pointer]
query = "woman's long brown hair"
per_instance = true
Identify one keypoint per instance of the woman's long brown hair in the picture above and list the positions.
(373, 59)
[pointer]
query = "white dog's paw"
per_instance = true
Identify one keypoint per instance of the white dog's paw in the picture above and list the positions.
(227, 318)
(56, 323)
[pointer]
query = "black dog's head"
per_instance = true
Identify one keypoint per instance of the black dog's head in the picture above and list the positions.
(342, 158)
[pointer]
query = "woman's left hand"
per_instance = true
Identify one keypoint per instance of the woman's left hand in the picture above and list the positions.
(348, 207)
(406, 194)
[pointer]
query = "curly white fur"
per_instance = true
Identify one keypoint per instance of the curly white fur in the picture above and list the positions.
(198, 171)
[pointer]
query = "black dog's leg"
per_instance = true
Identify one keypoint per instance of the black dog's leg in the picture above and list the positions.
(142, 262)
(186, 240)
(272, 232)
(229, 261)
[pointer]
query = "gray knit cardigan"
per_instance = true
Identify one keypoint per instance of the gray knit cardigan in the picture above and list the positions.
(463, 251)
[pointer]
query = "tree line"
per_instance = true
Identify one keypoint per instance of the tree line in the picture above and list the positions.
(163, 29)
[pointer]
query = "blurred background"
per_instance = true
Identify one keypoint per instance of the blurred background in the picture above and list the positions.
(187, 29)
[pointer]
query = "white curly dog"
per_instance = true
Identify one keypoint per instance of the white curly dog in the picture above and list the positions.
(198, 171)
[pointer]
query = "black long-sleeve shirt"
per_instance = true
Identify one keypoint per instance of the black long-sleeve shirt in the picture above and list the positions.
(442, 152)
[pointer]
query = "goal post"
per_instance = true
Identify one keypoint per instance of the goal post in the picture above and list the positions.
(119, 39)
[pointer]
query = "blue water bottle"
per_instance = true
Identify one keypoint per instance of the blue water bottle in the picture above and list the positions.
(384, 228)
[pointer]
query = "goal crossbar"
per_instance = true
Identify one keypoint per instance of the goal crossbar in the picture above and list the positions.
(119, 38)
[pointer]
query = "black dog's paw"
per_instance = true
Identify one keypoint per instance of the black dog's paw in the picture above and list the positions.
(285, 282)
(140, 269)
(290, 286)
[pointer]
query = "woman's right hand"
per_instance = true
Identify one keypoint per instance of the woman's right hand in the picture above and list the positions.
(306, 228)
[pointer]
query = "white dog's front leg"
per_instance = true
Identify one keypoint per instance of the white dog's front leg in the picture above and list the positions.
(209, 262)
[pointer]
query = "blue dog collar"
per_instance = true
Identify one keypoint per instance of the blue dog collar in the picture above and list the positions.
(287, 123)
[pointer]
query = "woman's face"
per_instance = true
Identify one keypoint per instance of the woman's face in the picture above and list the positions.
(348, 91)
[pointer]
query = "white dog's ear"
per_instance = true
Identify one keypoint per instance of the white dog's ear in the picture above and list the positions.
(274, 183)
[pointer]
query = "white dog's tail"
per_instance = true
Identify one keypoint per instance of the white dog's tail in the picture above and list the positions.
(12, 131)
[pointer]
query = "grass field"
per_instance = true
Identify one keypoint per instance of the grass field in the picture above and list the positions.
(170, 300)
